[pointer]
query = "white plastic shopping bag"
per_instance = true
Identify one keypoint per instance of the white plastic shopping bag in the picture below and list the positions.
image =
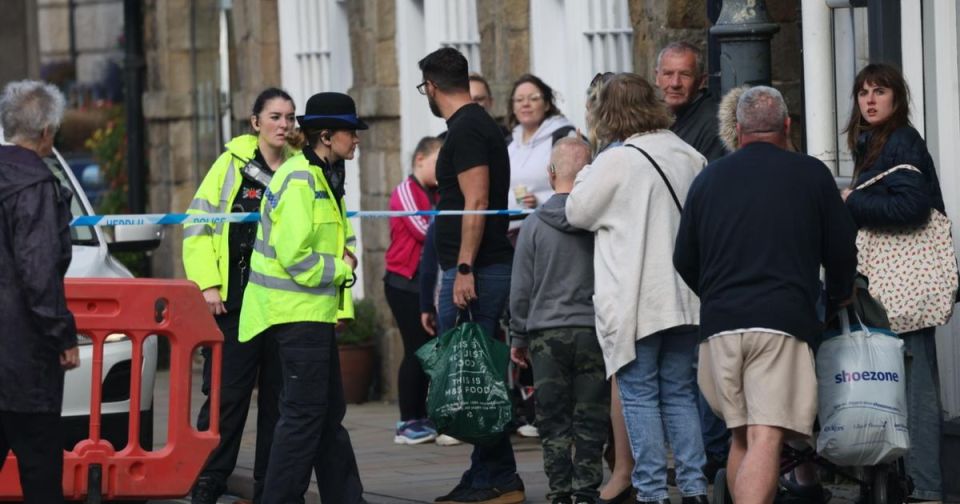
(863, 408)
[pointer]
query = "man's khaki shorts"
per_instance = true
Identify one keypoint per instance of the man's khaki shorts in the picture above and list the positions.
(760, 378)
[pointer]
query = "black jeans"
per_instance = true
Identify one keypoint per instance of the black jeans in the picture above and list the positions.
(35, 440)
(256, 362)
(412, 382)
(310, 433)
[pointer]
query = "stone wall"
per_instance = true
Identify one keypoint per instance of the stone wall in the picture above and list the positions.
(658, 22)
(97, 35)
(504, 27)
(787, 61)
(375, 88)
(255, 56)
(181, 136)
(20, 58)
(181, 104)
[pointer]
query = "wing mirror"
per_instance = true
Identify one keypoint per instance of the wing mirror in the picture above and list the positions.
(138, 238)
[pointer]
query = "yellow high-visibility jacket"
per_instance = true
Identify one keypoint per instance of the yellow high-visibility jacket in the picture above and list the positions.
(206, 251)
(297, 272)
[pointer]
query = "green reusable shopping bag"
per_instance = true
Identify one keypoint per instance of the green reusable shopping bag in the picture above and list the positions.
(468, 396)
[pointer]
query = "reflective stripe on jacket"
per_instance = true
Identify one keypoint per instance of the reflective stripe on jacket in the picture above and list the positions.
(206, 254)
(297, 272)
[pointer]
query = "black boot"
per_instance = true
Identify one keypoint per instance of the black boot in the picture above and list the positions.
(207, 490)
(623, 497)
(696, 499)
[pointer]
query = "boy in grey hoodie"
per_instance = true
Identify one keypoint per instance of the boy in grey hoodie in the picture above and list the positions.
(552, 325)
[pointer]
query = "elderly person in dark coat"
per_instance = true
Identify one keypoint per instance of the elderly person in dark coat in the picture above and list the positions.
(39, 340)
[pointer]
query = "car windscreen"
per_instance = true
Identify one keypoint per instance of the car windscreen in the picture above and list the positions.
(83, 235)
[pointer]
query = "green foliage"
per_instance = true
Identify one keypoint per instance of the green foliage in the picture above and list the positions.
(365, 326)
(109, 147)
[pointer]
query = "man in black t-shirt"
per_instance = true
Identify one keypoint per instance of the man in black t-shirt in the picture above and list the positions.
(473, 173)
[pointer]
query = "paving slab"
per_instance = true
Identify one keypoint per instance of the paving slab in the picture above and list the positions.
(392, 473)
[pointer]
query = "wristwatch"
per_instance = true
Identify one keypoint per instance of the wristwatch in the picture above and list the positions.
(464, 269)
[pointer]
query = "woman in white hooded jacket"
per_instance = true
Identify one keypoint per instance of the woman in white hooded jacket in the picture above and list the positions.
(647, 317)
(536, 125)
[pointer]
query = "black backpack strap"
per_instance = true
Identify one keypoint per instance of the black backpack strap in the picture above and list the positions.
(664, 177)
(561, 133)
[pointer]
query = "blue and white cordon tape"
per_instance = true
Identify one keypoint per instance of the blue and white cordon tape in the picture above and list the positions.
(214, 218)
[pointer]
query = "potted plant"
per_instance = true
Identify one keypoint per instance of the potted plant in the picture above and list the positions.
(357, 351)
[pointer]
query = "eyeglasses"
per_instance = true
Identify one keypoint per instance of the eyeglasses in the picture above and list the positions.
(534, 98)
(422, 87)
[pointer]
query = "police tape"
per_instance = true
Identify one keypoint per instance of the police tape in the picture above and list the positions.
(171, 219)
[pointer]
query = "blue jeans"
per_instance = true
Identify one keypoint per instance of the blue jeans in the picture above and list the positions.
(924, 417)
(491, 464)
(716, 437)
(658, 394)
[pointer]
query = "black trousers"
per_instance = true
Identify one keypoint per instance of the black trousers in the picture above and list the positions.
(412, 382)
(310, 433)
(35, 440)
(245, 365)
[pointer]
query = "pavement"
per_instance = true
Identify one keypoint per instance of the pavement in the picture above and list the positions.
(391, 473)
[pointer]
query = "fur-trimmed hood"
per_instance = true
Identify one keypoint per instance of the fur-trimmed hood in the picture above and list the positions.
(727, 118)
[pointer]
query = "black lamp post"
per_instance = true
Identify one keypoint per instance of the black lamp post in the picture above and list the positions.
(744, 31)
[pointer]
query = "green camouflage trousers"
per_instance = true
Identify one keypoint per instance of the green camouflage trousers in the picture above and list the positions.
(573, 409)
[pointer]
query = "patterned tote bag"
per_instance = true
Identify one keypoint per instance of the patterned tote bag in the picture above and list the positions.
(911, 271)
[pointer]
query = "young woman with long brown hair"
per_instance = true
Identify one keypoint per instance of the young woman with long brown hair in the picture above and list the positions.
(880, 136)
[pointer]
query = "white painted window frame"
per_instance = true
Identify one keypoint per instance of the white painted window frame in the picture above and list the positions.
(941, 73)
(453, 23)
(318, 32)
(422, 27)
(567, 58)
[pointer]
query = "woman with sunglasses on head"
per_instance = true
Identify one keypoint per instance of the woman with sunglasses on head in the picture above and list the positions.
(646, 316)
(217, 259)
(618, 489)
(881, 137)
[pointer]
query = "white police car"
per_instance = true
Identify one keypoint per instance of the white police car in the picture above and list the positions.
(91, 258)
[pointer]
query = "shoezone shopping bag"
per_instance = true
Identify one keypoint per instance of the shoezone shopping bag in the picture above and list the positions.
(468, 397)
(862, 389)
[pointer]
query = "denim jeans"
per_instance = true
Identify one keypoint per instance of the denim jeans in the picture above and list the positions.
(924, 413)
(491, 464)
(716, 437)
(658, 394)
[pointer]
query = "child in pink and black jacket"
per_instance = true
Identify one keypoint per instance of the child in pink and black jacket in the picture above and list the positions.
(402, 289)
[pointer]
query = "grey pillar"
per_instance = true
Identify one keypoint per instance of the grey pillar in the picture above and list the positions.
(20, 53)
(133, 101)
(744, 30)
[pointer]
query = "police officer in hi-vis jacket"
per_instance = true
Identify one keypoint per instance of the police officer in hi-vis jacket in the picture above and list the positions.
(302, 267)
(217, 258)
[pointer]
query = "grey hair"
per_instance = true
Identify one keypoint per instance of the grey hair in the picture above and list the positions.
(569, 156)
(761, 109)
(682, 47)
(27, 107)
